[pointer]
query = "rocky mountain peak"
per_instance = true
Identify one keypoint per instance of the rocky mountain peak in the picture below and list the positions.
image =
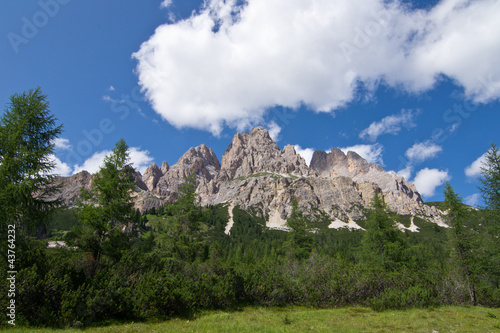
(164, 167)
(200, 160)
(256, 173)
(256, 152)
(151, 176)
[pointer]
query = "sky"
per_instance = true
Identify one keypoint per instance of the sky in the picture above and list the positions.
(411, 85)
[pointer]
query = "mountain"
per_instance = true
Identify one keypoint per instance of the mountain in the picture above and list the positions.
(256, 174)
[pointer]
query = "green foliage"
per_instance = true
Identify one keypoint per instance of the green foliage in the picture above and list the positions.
(27, 131)
(415, 296)
(300, 243)
(178, 231)
(490, 179)
(105, 211)
(461, 237)
(175, 260)
(383, 243)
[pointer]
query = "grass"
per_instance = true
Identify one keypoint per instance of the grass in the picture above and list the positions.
(300, 319)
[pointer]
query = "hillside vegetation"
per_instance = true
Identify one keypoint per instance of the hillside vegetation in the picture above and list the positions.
(176, 261)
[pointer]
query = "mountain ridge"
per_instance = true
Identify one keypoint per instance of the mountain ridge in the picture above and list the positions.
(255, 173)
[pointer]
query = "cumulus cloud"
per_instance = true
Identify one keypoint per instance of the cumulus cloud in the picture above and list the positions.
(61, 143)
(405, 173)
(140, 160)
(93, 163)
(60, 168)
(420, 152)
(474, 170)
(229, 62)
(306, 153)
(274, 130)
(371, 153)
(427, 180)
(390, 125)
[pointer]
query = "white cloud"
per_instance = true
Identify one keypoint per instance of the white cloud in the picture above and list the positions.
(140, 160)
(166, 3)
(427, 180)
(228, 62)
(390, 125)
(60, 168)
(474, 169)
(405, 173)
(61, 143)
(420, 152)
(274, 130)
(371, 153)
(93, 163)
(306, 153)
(473, 199)
(111, 88)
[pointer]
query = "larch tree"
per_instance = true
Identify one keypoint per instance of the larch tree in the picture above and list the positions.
(27, 133)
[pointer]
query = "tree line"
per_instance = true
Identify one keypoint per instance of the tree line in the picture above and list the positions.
(176, 260)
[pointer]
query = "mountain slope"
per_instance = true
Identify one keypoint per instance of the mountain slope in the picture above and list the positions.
(256, 174)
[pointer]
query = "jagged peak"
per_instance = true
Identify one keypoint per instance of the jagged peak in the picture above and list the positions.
(259, 130)
(201, 151)
(164, 167)
(258, 138)
(152, 168)
(289, 150)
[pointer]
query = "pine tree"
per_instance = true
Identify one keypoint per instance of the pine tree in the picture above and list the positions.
(490, 179)
(106, 212)
(300, 242)
(383, 242)
(27, 131)
(178, 232)
(461, 237)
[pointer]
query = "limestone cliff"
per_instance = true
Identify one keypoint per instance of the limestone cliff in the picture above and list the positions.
(256, 173)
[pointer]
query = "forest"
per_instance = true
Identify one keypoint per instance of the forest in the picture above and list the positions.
(177, 260)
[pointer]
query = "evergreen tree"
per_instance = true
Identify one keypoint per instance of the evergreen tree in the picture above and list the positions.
(300, 242)
(461, 237)
(27, 131)
(106, 211)
(178, 232)
(383, 242)
(490, 179)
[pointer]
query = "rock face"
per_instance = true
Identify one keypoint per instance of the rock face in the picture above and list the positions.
(256, 173)
(255, 152)
(70, 187)
(151, 176)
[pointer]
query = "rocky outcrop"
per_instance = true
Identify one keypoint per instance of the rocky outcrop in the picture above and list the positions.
(200, 160)
(255, 152)
(70, 187)
(151, 176)
(256, 173)
(400, 196)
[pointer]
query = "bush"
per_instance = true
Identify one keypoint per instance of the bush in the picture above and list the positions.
(415, 296)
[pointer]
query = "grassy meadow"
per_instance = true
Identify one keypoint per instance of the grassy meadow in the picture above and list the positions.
(301, 319)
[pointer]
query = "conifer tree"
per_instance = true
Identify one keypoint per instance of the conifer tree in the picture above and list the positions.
(490, 179)
(461, 237)
(300, 241)
(27, 132)
(383, 242)
(106, 212)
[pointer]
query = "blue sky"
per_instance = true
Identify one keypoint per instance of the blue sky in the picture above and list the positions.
(412, 85)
